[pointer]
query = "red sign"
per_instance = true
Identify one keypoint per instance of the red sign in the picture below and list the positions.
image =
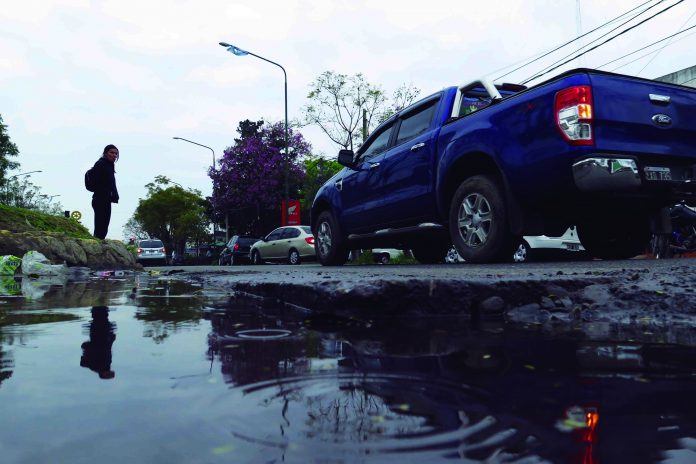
(291, 213)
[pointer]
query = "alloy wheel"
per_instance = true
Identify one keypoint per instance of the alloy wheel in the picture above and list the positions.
(520, 254)
(324, 238)
(294, 257)
(475, 219)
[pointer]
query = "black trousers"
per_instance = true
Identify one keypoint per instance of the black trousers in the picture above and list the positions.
(102, 216)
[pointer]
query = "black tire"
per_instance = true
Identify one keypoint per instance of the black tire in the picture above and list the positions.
(523, 252)
(659, 246)
(478, 221)
(330, 245)
(383, 258)
(615, 237)
(294, 257)
(431, 254)
(256, 258)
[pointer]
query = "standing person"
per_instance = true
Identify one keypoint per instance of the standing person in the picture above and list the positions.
(105, 192)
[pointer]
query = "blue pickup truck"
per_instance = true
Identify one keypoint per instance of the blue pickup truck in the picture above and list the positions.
(480, 165)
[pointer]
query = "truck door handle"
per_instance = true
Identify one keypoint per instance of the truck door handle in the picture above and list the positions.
(417, 146)
(374, 165)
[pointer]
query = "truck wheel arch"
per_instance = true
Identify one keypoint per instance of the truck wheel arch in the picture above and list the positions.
(318, 208)
(471, 164)
(479, 163)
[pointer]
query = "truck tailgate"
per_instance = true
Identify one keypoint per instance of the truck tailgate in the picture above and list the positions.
(644, 117)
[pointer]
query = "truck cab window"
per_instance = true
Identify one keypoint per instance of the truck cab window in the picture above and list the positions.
(376, 145)
(416, 122)
(472, 102)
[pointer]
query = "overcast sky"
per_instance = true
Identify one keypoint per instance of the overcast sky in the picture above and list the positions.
(76, 75)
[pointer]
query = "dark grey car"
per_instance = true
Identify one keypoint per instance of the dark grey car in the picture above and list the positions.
(237, 250)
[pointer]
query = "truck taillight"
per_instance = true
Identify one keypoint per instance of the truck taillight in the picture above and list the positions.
(573, 108)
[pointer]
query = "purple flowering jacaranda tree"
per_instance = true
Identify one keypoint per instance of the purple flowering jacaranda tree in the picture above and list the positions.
(250, 182)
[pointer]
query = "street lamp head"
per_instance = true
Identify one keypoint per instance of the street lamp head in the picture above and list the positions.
(234, 50)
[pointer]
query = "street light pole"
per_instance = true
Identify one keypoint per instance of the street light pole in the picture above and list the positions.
(239, 52)
(200, 145)
(7, 182)
(213, 151)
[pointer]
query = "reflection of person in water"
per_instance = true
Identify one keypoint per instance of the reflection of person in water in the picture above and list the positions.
(96, 353)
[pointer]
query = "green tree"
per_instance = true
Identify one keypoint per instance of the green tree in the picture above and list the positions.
(346, 108)
(7, 150)
(134, 229)
(21, 193)
(172, 214)
(317, 171)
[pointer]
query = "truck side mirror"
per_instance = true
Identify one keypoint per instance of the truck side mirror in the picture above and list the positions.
(345, 157)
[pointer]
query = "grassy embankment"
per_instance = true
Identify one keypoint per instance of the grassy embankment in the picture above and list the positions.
(19, 220)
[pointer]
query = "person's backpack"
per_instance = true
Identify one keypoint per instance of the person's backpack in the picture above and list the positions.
(90, 180)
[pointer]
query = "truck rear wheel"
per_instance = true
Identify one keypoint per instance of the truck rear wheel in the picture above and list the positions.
(615, 237)
(330, 246)
(478, 221)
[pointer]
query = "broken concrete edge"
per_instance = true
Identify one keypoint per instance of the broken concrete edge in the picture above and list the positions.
(631, 304)
(74, 252)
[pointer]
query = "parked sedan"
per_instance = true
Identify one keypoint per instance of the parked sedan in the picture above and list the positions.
(237, 250)
(291, 244)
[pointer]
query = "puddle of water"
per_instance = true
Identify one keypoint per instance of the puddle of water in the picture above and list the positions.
(143, 370)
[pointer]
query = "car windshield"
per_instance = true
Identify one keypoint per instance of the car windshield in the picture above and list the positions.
(247, 240)
(308, 230)
(151, 244)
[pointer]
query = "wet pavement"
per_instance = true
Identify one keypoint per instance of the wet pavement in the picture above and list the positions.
(184, 369)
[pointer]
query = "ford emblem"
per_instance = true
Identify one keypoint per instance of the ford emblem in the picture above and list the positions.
(662, 120)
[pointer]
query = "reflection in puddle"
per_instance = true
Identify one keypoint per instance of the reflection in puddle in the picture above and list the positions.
(255, 382)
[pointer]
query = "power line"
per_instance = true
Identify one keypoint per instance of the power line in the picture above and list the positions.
(551, 66)
(536, 57)
(648, 46)
(603, 43)
(658, 52)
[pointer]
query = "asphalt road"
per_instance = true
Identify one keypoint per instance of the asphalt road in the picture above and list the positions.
(357, 273)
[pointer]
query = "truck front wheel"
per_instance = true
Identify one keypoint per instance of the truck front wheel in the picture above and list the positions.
(478, 221)
(329, 245)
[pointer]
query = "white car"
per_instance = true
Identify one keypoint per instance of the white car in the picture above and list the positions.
(529, 246)
(151, 251)
(291, 244)
(384, 255)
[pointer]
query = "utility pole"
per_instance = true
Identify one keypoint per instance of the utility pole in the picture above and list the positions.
(364, 128)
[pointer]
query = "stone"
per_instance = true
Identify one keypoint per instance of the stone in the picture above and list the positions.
(92, 253)
(492, 305)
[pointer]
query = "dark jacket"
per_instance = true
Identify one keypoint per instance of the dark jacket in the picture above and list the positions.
(105, 181)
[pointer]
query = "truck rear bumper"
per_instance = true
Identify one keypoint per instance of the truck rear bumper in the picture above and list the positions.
(667, 179)
(606, 174)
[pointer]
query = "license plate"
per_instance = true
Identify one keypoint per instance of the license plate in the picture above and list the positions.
(655, 173)
(572, 246)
